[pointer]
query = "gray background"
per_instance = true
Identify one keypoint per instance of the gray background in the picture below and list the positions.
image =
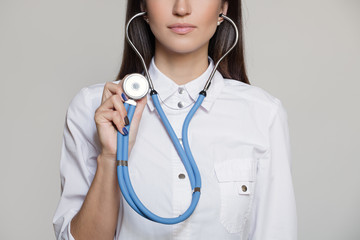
(305, 52)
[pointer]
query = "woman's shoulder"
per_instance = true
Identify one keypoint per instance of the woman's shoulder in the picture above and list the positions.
(88, 98)
(250, 93)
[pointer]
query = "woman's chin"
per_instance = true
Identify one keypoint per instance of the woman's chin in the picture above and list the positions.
(182, 48)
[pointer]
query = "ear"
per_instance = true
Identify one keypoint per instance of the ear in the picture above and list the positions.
(143, 5)
(224, 7)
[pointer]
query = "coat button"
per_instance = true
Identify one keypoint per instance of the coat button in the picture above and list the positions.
(180, 105)
(244, 188)
(181, 176)
(181, 90)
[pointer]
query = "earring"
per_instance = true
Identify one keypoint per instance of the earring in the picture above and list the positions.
(219, 21)
(146, 19)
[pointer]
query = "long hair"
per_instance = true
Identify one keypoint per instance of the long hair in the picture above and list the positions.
(232, 66)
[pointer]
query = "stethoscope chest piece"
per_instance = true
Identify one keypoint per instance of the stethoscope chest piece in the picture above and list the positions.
(135, 86)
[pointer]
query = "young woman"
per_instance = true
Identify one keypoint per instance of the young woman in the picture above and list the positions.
(238, 137)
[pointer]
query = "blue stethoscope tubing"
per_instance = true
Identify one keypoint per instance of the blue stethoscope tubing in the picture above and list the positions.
(184, 151)
(185, 155)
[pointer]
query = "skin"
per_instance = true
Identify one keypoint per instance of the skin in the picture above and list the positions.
(182, 58)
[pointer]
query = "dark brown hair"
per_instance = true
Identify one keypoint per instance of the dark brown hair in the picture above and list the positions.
(232, 66)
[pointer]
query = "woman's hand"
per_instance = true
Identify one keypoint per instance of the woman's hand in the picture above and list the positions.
(111, 115)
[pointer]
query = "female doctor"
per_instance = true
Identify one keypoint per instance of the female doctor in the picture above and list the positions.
(239, 138)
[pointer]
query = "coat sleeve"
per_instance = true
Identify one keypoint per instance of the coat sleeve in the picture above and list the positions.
(274, 216)
(74, 173)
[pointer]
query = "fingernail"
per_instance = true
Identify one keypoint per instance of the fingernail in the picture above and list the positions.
(124, 97)
(125, 131)
(126, 119)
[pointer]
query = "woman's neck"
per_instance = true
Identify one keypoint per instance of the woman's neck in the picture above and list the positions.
(182, 68)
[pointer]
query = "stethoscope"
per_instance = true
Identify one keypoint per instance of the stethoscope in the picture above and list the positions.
(136, 86)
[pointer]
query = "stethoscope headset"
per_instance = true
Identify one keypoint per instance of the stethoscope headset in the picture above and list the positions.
(136, 86)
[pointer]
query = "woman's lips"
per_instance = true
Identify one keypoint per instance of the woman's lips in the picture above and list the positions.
(183, 28)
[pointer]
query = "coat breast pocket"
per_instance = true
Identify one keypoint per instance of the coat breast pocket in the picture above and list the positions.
(236, 179)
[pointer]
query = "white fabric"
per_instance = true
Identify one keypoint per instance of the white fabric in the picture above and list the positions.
(239, 139)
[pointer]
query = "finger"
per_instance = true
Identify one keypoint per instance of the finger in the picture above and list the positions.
(140, 105)
(112, 88)
(115, 102)
(113, 117)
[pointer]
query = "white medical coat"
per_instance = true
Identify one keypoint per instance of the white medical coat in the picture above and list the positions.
(239, 139)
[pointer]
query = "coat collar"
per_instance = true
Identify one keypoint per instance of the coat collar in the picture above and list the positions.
(167, 87)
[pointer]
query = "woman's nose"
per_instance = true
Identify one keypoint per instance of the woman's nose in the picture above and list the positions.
(182, 7)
